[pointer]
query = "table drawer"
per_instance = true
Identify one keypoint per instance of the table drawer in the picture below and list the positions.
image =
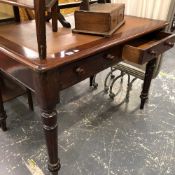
(148, 47)
(82, 69)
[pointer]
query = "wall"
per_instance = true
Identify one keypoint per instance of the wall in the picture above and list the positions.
(5, 10)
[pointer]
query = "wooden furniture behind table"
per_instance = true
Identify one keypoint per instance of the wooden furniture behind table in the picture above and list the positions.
(72, 58)
(9, 88)
(107, 18)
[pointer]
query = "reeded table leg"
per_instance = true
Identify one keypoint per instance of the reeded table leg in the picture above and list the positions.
(147, 81)
(3, 115)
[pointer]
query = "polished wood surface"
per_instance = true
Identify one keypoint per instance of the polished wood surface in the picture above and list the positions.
(64, 46)
(71, 58)
(28, 3)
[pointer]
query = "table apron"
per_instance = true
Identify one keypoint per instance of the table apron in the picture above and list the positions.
(77, 71)
(68, 74)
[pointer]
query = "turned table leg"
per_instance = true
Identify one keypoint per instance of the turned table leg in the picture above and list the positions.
(47, 95)
(3, 115)
(50, 126)
(49, 119)
(147, 81)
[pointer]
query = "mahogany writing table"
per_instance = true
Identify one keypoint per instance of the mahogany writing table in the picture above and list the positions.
(71, 58)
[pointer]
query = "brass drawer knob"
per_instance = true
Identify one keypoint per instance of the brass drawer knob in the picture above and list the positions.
(170, 44)
(110, 57)
(152, 52)
(80, 71)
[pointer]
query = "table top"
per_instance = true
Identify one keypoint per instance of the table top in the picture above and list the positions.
(19, 41)
(27, 3)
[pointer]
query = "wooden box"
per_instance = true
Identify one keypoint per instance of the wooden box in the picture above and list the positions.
(101, 19)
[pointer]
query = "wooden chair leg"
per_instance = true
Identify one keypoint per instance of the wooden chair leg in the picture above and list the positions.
(30, 99)
(3, 115)
(54, 14)
(60, 17)
(40, 28)
(63, 21)
(16, 13)
(92, 82)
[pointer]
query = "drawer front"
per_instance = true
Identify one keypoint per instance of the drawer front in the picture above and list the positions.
(144, 49)
(77, 71)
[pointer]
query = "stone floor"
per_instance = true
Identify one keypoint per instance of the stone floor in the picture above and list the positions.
(98, 136)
